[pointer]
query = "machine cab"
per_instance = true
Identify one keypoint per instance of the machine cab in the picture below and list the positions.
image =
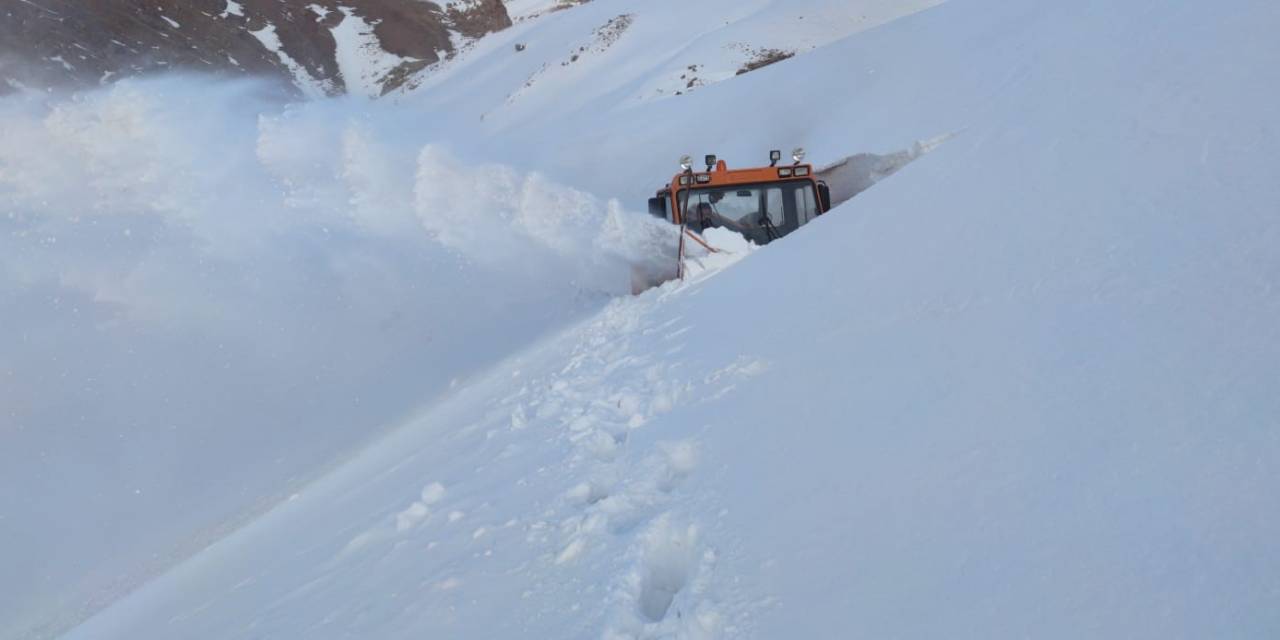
(762, 204)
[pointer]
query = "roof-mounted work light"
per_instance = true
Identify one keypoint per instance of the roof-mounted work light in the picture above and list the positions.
(798, 155)
(711, 161)
(774, 157)
(686, 163)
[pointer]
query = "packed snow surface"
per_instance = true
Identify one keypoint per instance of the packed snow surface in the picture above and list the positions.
(1028, 386)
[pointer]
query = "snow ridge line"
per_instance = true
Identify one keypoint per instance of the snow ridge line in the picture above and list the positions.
(602, 39)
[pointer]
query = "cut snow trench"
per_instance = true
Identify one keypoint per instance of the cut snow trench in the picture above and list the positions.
(854, 174)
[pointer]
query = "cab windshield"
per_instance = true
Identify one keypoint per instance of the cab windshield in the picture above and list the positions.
(762, 213)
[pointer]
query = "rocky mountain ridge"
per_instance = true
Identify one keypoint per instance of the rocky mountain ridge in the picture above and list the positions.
(323, 47)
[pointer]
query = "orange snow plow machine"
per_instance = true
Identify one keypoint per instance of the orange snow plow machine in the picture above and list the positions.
(762, 203)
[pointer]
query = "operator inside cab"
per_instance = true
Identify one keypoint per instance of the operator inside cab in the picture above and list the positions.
(759, 203)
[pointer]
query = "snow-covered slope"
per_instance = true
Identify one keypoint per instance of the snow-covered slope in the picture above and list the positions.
(601, 60)
(1026, 387)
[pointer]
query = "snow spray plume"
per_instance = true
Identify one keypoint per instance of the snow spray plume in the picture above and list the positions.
(201, 280)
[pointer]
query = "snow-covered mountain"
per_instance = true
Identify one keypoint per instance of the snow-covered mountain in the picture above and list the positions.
(322, 47)
(340, 368)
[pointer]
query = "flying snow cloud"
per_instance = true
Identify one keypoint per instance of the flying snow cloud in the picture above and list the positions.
(199, 279)
(498, 216)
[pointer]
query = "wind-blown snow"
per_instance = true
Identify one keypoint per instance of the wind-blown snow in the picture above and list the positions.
(213, 295)
(1027, 386)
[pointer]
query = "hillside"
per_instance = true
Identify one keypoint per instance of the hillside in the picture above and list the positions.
(1026, 386)
(320, 47)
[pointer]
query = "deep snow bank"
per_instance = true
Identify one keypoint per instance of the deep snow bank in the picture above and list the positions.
(1025, 388)
(206, 293)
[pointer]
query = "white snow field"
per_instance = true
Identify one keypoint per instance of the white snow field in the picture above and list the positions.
(380, 356)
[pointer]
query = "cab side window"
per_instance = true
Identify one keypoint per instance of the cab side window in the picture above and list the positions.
(806, 206)
(774, 206)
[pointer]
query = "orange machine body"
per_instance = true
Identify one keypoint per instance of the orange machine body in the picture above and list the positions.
(723, 176)
(700, 186)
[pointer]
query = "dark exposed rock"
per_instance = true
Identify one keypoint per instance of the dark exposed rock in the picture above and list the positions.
(47, 43)
(764, 58)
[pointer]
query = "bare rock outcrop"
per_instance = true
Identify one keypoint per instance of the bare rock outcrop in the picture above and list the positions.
(52, 43)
